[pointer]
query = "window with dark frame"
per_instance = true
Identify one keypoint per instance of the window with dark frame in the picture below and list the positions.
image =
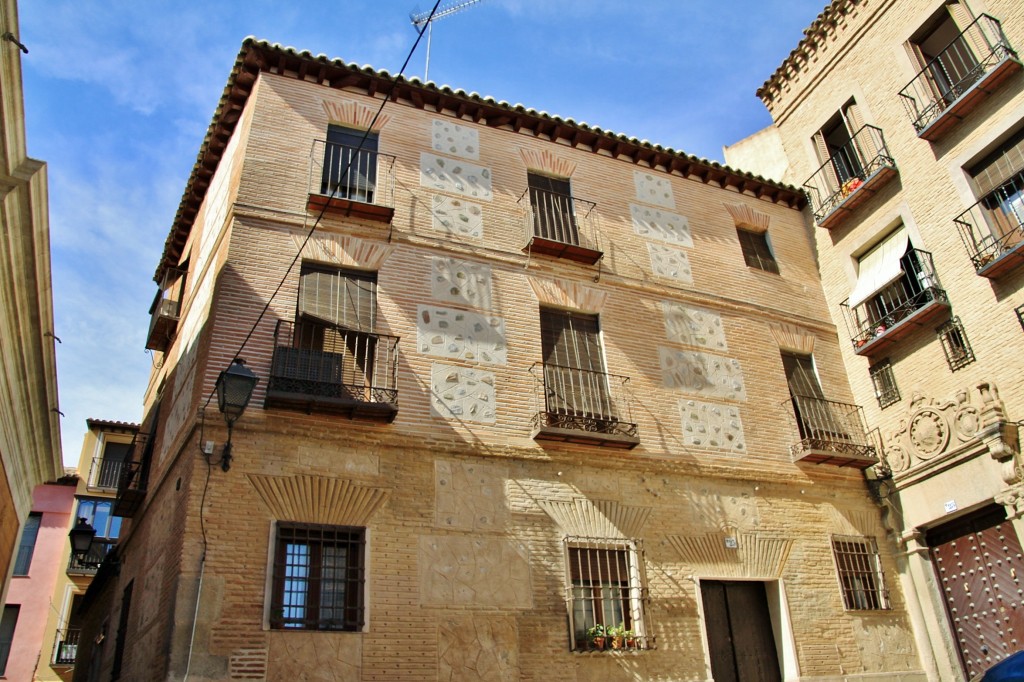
(1020, 315)
(757, 252)
(554, 214)
(955, 344)
(998, 183)
(605, 593)
(27, 543)
(318, 578)
(860, 573)
(8, 622)
(886, 390)
(575, 380)
(950, 56)
(350, 164)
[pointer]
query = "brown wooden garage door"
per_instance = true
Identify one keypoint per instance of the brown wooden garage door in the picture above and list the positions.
(980, 568)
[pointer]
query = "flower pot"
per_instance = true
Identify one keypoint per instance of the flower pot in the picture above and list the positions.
(617, 642)
(598, 643)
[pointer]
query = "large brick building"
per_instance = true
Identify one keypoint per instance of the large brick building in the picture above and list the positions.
(518, 378)
(904, 123)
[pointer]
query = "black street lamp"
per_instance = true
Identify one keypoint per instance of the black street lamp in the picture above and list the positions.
(235, 387)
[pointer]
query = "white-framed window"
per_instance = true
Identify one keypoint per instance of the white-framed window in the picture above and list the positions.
(860, 573)
(605, 594)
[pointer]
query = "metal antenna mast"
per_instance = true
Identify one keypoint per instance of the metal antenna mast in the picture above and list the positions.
(451, 7)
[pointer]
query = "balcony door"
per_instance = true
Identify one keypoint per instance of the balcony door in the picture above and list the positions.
(554, 215)
(835, 146)
(350, 164)
(813, 415)
(111, 464)
(998, 181)
(575, 382)
(949, 50)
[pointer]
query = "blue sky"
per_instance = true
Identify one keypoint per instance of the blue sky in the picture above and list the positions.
(118, 96)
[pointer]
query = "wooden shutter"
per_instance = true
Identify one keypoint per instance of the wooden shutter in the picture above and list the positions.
(343, 299)
(863, 138)
(829, 175)
(803, 381)
(574, 377)
(972, 33)
(999, 166)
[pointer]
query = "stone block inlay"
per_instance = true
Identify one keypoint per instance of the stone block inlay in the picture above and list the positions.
(708, 375)
(661, 225)
(460, 281)
(461, 335)
(652, 189)
(694, 326)
(469, 495)
(458, 217)
(709, 425)
(463, 393)
(474, 647)
(670, 263)
(451, 138)
(474, 571)
(455, 176)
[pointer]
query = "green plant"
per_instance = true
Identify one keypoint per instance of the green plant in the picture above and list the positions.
(598, 630)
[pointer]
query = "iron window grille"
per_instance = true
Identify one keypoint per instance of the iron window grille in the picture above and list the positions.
(955, 344)
(886, 390)
(1020, 315)
(860, 573)
(757, 253)
(605, 598)
(318, 578)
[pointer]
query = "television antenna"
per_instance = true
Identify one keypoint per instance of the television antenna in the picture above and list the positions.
(419, 19)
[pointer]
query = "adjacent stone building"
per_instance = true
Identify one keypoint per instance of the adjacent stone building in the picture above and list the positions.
(904, 123)
(536, 401)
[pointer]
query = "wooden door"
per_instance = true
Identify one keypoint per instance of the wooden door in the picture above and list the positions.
(741, 642)
(980, 570)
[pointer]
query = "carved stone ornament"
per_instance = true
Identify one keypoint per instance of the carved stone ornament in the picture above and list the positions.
(1013, 499)
(933, 427)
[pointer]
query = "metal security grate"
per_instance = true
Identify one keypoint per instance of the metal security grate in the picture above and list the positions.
(860, 573)
(886, 390)
(955, 344)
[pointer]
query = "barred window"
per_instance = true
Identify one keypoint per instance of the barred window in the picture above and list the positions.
(1020, 315)
(318, 578)
(606, 598)
(955, 344)
(860, 573)
(757, 253)
(886, 390)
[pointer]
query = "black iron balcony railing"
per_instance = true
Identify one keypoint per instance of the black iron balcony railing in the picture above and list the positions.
(831, 433)
(131, 488)
(65, 647)
(560, 225)
(913, 300)
(352, 181)
(334, 369)
(105, 474)
(852, 174)
(582, 406)
(993, 229)
(166, 310)
(90, 563)
(959, 77)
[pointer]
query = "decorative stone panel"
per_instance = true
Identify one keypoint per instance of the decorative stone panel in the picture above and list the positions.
(747, 218)
(469, 495)
(694, 326)
(855, 522)
(457, 217)
(582, 517)
(463, 393)
(474, 572)
(567, 294)
(455, 177)
(733, 555)
(792, 339)
(661, 225)
(460, 281)
(451, 138)
(461, 335)
(338, 657)
(710, 425)
(473, 647)
(318, 499)
(343, 250)
(708, 375)
(670, 263)
(652, 189)
(354, 115)
(547, 162)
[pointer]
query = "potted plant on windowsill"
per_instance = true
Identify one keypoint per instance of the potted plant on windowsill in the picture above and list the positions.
(596, 636)
(618, 635)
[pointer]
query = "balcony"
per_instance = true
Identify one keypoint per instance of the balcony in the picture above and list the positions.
(851, 176)
(131, 488)
(993, 229)
(899, 308)
(582, 406)
(325, 368)
(166, 310)
(351, 182)
(830, 433)
(89, 564)
(105, 473)
(65, 647)
(561, 226)
(959, 78)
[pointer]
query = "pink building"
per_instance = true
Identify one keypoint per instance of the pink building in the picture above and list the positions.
(39, 559)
